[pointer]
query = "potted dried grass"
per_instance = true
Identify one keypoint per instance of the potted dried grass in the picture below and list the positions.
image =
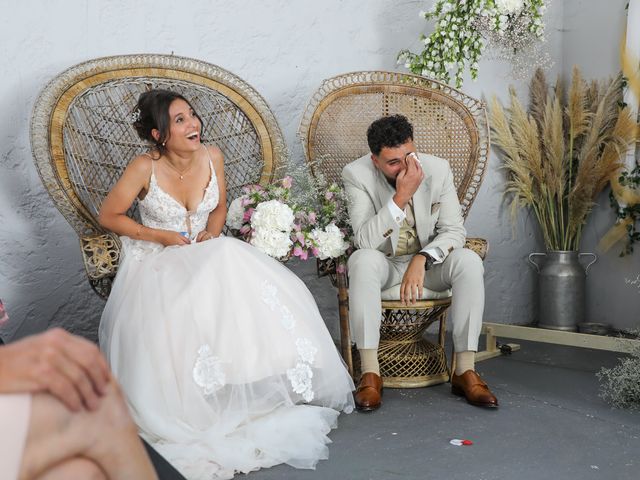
(559, 155)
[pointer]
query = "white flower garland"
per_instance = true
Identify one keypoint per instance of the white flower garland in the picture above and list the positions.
(463, 29)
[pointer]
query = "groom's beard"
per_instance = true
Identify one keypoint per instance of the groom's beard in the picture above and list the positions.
(391, 181)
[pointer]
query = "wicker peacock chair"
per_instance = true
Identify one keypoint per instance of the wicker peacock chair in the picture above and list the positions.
(82, 137)
(447, 123)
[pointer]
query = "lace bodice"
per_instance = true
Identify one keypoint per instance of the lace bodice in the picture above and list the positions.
(160, 210)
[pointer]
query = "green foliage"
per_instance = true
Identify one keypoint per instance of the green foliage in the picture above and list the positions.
(461, 32)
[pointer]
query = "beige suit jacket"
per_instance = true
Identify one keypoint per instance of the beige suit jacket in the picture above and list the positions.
(436, 207)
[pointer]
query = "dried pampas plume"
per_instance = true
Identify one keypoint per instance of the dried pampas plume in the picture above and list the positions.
(559, 155)
(625, 195)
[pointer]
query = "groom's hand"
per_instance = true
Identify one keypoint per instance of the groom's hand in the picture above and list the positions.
(413, 281)
(408, 180)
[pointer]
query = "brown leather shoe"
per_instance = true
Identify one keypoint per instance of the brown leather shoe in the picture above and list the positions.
(368, 396)
(473, 388)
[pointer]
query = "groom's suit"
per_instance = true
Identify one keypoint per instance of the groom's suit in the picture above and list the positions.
(387, 238)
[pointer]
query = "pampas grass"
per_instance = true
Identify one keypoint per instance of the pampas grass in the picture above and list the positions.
(560, 153)
(625, 198)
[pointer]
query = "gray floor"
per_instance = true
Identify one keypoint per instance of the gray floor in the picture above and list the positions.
(551, 424)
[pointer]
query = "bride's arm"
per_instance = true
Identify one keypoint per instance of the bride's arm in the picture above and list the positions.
(218, 216)
(113, 213)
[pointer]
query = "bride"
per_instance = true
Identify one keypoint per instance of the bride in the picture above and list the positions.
(221, 351)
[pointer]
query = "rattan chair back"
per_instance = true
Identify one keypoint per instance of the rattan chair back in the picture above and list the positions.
(447, 123)
(82, 136)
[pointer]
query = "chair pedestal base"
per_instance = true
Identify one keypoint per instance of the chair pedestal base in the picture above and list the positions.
(412, 365)
(407, 360)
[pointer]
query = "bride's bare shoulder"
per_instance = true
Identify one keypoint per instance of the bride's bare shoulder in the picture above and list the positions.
(216, 155)
(138, 172)
(142, 164)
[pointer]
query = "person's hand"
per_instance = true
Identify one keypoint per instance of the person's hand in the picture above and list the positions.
(169, 237)
(413, 281)
(66, 366)
(409, 179)
(204, 235)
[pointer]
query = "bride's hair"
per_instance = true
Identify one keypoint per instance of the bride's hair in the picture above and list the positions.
(152, 111)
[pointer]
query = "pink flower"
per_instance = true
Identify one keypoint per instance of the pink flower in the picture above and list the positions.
(245, 201)
(300, 252)
(247, 215)
(328, 195)
(312, 218)
(245, 229)
(287, 182)
(296, 227)
(315, 251)
(300, 237)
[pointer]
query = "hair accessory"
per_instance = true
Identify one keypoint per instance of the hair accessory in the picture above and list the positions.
(135, 115)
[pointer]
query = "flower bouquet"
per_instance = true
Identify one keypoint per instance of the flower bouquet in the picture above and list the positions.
(272, 220)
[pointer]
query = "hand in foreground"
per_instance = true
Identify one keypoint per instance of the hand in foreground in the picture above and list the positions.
(69, 367)
(409, 179)
(168, 238)
(413, 281)
(204, 235)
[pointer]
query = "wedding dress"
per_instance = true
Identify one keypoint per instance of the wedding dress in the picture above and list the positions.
(221, 351)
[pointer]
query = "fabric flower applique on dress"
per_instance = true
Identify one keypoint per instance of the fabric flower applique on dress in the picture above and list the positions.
(207, 371)
(270, 297)
(300, 378)
(269, 294)
(306, 350)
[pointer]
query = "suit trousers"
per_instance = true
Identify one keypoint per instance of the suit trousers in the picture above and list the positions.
(371, 272)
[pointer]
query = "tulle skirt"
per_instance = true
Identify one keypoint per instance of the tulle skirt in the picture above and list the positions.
(224, 358)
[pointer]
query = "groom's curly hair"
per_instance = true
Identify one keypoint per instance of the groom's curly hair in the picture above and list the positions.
(389, 132)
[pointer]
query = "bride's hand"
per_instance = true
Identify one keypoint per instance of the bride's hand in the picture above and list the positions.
(204, 235)
(168, 238)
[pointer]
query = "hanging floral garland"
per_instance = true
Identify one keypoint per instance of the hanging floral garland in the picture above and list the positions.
(465, 28)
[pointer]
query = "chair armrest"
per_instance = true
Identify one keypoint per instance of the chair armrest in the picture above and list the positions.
(101, 257)
(478, 245)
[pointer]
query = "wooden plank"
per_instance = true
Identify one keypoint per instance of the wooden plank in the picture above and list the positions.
(487, 354)
(572, 339)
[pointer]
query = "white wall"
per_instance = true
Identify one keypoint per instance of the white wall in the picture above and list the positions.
(283, 49)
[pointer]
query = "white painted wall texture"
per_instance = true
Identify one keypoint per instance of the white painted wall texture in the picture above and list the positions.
(284, 49)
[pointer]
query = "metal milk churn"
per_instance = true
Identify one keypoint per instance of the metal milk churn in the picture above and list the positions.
(561, 288)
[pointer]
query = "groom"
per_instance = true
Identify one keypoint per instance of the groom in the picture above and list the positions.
(408, 229)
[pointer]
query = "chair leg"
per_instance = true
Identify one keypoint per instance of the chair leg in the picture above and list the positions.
(345, 330)
(441, 336)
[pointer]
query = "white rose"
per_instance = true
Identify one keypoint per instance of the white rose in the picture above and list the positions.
(235, 214)
(274, 243)
(509, 6)
(273, 215)
(330, 242)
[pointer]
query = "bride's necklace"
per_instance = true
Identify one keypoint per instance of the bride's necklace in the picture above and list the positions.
(181, 173)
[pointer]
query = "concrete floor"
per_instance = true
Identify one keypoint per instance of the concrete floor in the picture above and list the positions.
(551, 424)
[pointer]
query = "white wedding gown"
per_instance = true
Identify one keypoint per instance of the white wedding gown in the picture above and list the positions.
(221, 351)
